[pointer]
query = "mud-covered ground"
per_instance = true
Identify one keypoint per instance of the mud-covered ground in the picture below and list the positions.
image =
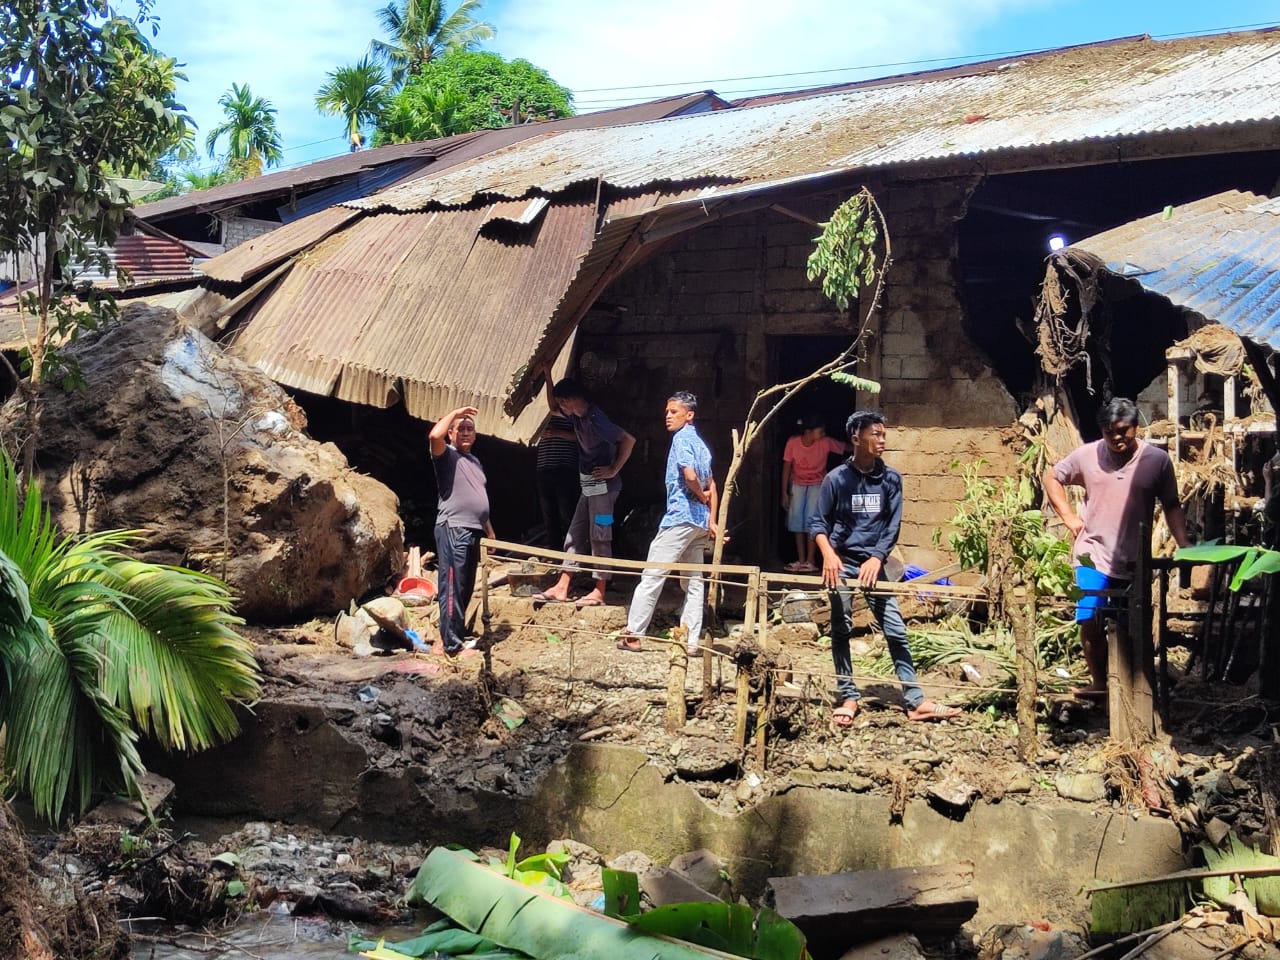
(551, 676)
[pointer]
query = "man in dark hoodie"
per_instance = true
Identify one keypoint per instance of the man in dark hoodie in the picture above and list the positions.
(859, 513)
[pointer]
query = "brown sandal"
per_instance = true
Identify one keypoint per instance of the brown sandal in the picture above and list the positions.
(630, 644)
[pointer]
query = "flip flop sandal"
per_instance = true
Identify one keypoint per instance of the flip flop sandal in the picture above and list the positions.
(844, 713)
(630, 645)
(588, 601)
(541, 598)
(933, 711)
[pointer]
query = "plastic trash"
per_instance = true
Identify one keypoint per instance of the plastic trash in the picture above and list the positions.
(368, 693)
(417, 641)
(912, 572)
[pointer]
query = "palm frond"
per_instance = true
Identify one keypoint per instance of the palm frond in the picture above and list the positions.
(64, 739)
(174, 660)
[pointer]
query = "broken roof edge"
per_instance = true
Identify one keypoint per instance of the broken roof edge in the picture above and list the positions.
(609, 192)
(1217, 259)
(251, 258)
(621, 239)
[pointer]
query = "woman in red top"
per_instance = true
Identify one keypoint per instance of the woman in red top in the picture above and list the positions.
(804, 464)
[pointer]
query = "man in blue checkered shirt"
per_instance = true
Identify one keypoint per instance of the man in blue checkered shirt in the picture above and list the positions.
(692, 502)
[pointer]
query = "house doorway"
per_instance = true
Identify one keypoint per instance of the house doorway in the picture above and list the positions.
(792, 358)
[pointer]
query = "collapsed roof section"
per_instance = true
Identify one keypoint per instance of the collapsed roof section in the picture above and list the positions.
(1215, 261)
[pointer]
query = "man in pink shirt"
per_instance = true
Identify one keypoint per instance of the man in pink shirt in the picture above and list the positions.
(1122, 478)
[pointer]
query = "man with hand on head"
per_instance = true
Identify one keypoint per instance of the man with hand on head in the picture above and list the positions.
(462, 518)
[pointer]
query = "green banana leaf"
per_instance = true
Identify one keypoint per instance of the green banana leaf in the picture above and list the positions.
(728, 927)
(1254, 561)
(441, 937)
(1264, 892)
(523, 918)
(621, 892)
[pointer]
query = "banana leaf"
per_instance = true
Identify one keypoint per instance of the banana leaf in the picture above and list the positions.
(1263, 892)
(523, 918)
(441, 937)
(621, 892)
(728, 927)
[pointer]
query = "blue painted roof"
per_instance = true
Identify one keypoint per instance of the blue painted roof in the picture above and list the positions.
(1218, 257)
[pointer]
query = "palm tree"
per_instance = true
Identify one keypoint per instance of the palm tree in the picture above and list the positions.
(419, 32)
(358, 94)
(251, 132)
(421, 113)
(96, 648)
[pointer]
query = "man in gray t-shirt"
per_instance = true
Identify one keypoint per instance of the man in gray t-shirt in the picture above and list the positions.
(1122, 478)
(462, 518)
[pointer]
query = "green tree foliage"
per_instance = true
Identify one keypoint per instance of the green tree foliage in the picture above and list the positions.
(420, 113)
(419, 31)
(250, 128)
(86, 100)
(471, 90)
(844, 254)
(97, 648)
(356, 93)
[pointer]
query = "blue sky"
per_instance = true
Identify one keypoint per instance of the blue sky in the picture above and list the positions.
(642, 49)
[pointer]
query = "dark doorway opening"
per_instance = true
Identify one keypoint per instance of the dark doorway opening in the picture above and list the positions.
(792, 358)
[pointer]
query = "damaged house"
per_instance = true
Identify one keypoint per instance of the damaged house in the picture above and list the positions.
(671, 254)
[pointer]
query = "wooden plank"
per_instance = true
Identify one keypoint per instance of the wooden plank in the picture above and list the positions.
(616, 563)
(840, 909)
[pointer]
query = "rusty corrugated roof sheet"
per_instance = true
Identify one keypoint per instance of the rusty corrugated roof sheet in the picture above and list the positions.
(1079, 94)
(424, 246)
(440, 153)
(434, 307)
(254, 256)
(1218, 257)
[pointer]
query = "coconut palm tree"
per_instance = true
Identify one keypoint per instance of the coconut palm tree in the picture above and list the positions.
(357, 93)
(96, 648)
(252, 137)
(418, 32)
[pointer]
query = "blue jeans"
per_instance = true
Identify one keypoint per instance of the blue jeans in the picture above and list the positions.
(457, 555)
(889, 617)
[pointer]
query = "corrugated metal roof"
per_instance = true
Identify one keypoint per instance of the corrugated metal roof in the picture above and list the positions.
(1218, 257)
(438, 307)
(266, 250)
(146, 258)
(441, 153)
(1076, 95)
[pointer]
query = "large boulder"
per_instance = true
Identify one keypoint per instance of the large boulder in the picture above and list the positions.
(209, 457)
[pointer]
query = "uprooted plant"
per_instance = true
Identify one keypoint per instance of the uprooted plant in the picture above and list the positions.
(1000, 531)
(851, 253)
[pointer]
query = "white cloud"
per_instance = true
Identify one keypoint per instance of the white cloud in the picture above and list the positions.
(284, 48)
(281, 48)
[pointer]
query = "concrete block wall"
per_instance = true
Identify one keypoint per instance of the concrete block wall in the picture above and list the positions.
(699, 314)
(236, 230)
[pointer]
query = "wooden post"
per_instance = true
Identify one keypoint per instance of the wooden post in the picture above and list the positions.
(749, 607)
(1021, 613)
(743, 702)
(1130, 658)
(758, 598)
(1162, 639)
(679, 668)
(484, 608)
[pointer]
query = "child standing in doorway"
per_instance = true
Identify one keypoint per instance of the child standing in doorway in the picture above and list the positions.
(804, 464)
